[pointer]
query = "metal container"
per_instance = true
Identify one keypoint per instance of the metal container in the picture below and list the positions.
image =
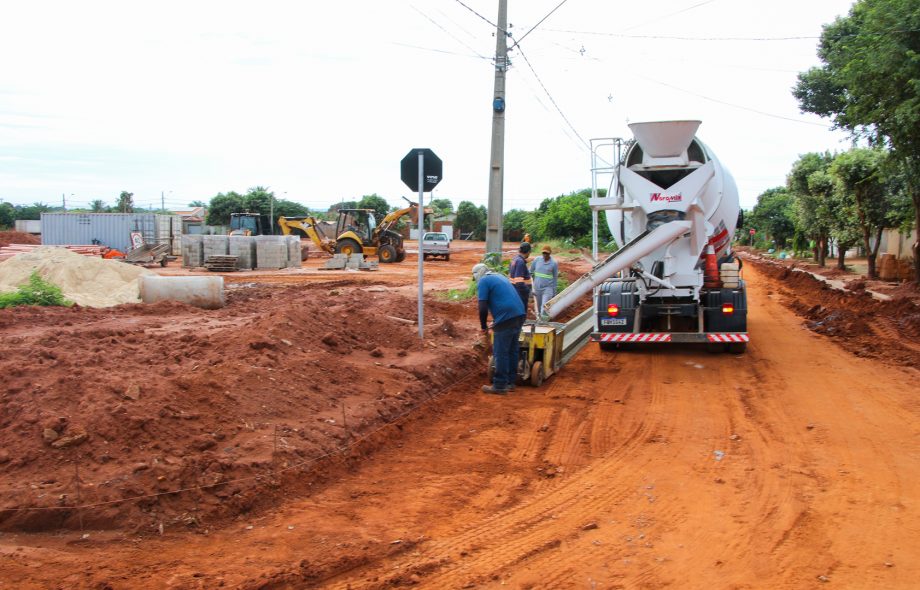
(110, 229)
(29, 226)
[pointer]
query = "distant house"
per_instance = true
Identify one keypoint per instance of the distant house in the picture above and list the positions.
(193, 220)
(898, 244)
(446, 224)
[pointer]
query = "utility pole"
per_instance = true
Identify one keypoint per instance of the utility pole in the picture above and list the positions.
(162, 204)
(64, 201)
(497, 159)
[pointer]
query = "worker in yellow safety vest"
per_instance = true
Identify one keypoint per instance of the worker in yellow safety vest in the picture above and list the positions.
(545, 273)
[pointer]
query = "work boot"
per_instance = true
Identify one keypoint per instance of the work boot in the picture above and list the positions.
(512, 387)
(491, 389)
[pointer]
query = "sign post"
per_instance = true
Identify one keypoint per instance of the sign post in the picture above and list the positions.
(421, 170)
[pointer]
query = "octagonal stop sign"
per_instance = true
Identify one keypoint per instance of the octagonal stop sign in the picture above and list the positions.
(432, 171)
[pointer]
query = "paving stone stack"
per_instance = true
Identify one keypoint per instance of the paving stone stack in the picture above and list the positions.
(337, 262)
(271, 252)
(215, 246)
(293, 245)
(244, 248)
(192, 251)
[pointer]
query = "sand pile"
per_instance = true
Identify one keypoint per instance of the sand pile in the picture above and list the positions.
(85, 280)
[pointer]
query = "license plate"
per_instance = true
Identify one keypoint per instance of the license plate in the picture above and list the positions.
(613, 321)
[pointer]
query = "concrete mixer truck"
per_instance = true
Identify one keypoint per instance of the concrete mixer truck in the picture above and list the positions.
(672, 209)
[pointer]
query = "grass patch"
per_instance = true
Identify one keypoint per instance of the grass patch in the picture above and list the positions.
(37, 291)
(459, 294)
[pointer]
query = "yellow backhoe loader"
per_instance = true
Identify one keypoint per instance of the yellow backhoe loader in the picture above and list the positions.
(356, 232)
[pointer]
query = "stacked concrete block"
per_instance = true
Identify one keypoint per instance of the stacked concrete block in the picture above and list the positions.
(271, 252)
(355, 261)
(293, 244)
(337, 262)
(215, 246)
(192, 251)
(244, 248)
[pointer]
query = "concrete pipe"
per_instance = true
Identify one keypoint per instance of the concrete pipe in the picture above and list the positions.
(205, 292)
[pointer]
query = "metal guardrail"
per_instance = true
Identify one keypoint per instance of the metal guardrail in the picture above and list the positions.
(577, 333)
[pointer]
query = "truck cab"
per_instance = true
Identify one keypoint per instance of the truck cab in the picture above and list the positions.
(247, 224)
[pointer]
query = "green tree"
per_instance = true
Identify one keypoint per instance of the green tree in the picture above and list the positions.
(343, 205)
(375, 202)
(811, 193)
(568, 217)
(774, 215)
(859, 174)
(285, 208)
(844, 226)
(869, 83)
(513, 224)
(222, 205)
(441, 207)
(7, 215)
(471, 219)
(259, 199)
(97, 206)
(125, 202)
(33, 211)
(197, 203)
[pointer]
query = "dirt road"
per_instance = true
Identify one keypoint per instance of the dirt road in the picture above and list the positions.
(794, 465)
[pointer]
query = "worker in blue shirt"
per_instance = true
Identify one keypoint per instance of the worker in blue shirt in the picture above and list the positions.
(498, 297)
(520, 274)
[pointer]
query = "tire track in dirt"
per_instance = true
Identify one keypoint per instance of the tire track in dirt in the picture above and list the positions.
(772, 500)
(509, 537)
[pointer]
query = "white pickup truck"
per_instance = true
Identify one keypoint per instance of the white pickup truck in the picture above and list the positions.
(436, 243)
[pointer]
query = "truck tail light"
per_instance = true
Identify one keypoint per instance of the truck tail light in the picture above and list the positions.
(728, 308)
(613, 309)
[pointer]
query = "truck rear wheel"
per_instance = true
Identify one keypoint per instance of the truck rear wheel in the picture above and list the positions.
(400, 255)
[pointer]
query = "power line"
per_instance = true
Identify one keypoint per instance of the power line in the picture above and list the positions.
(728, 39)
(737, 106)
(518, 42)
(552, 100)
(454, 37)
(493, 25)
(444, 51)
(661, 18)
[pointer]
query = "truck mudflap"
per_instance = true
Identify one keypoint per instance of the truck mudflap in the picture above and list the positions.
(725, 337)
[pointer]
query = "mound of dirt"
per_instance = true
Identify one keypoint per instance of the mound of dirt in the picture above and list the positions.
(886, 330)
(169, 415)
(86, 280)
(17, 237)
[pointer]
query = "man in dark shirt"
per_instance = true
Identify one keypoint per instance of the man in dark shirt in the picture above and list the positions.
(498, 297)
(520, 274)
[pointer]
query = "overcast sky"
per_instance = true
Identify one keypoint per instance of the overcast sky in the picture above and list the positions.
(321, 100)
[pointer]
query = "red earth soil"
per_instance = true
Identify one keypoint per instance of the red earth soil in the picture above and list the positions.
(887, 330)
(139, 401)
(166, 415)
(793, 465)
(17, 237)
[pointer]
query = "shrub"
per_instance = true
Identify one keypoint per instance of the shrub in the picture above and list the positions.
(36, 292)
